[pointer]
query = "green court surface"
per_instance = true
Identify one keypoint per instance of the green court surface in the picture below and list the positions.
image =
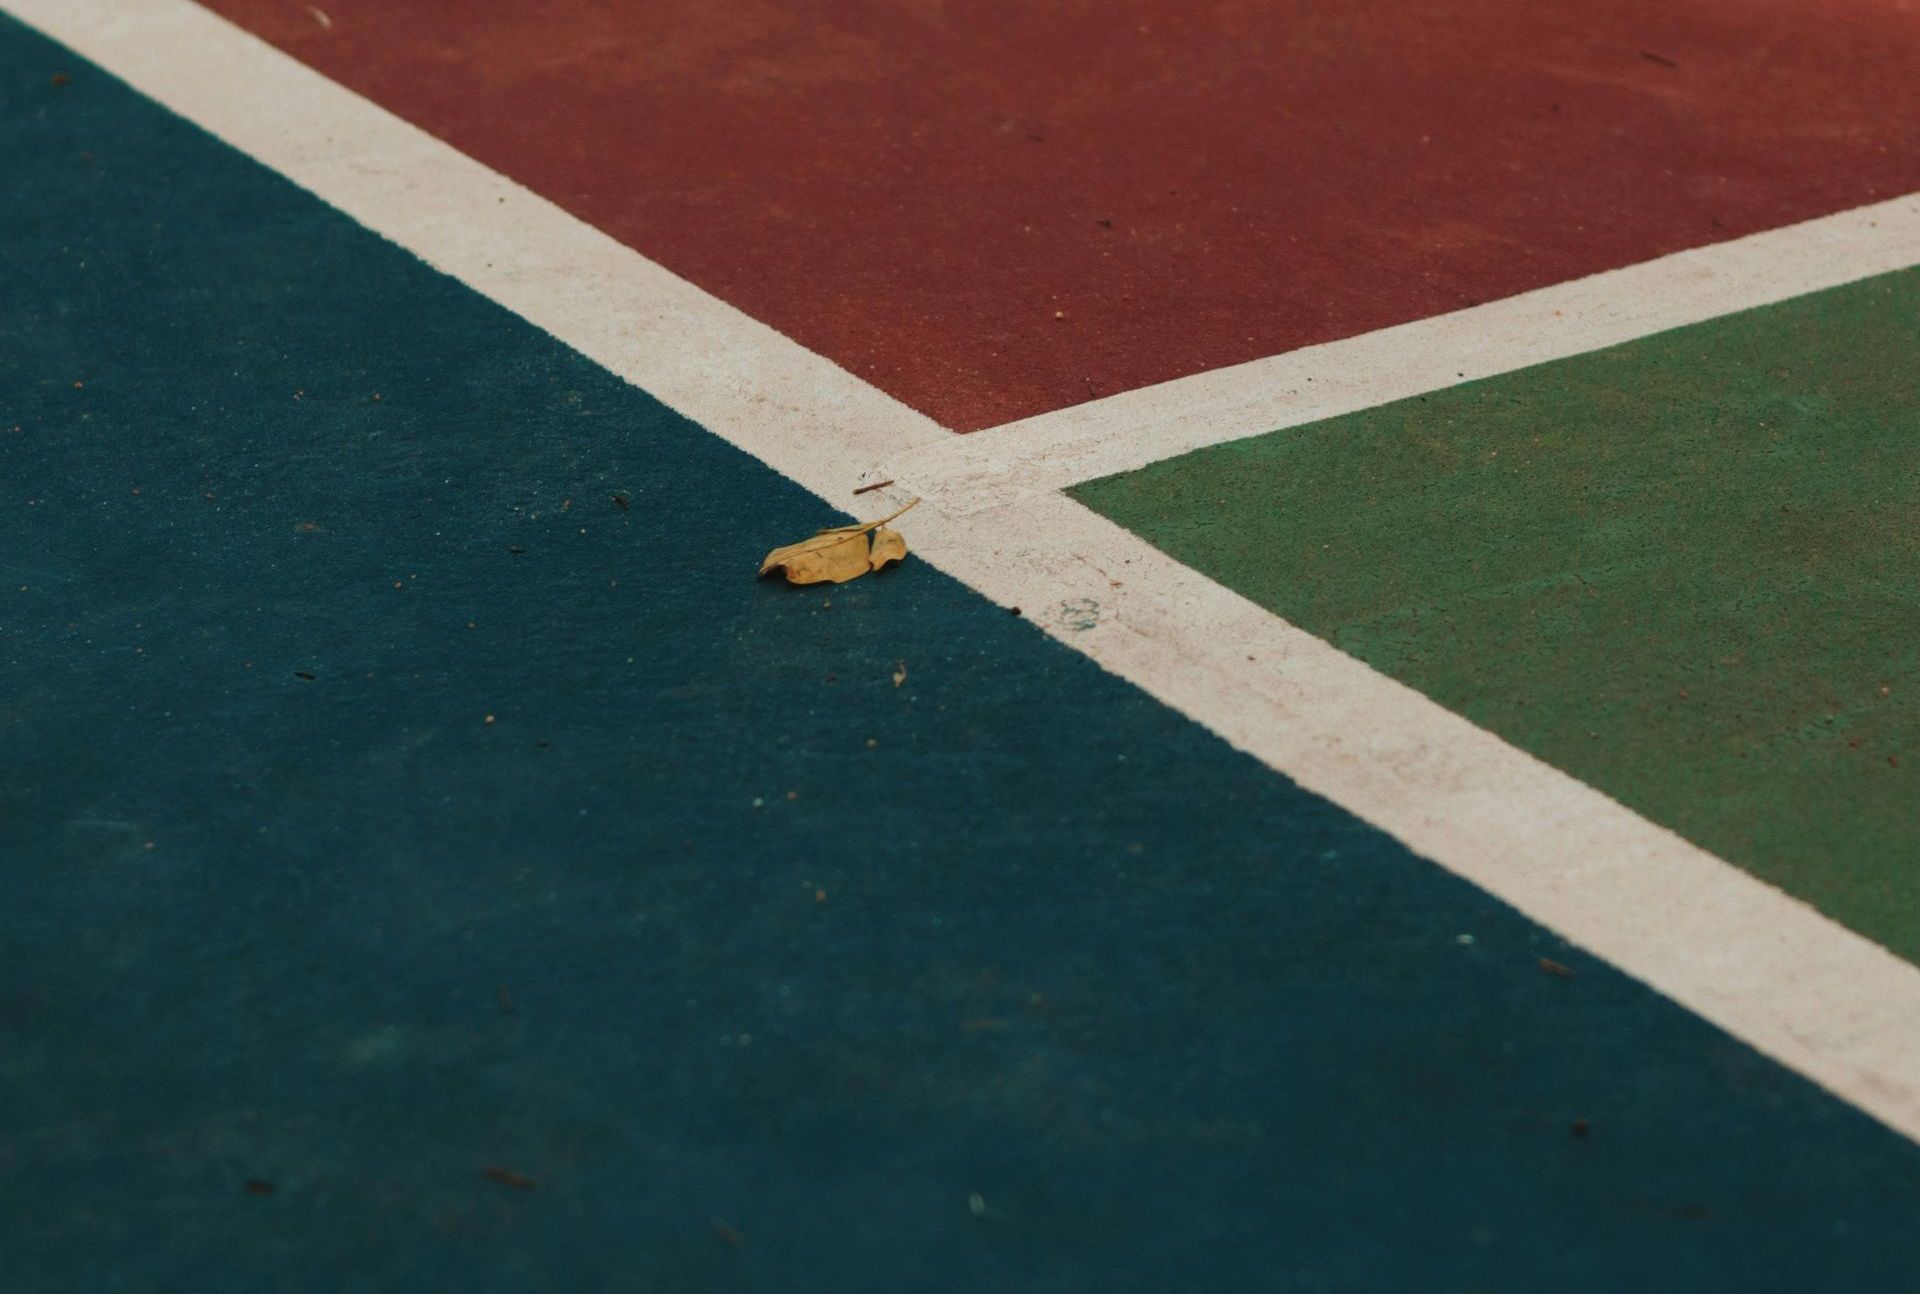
(1681, 569)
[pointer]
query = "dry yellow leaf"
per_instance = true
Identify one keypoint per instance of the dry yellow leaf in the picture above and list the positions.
(824, 557)
(839, 553)
(888, 546)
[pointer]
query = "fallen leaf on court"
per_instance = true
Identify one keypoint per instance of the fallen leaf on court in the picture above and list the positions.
(827, 556)
(888, 546)
(839, 553)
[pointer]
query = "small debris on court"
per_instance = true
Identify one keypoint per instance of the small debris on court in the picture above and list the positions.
(840, 553)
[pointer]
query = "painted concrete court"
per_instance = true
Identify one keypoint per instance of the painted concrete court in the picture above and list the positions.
(1461, 843)
(916, 191)
(1682, 569)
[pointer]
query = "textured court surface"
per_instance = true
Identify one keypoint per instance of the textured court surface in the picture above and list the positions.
(917, 190)
(385, 804)
(1682, 569)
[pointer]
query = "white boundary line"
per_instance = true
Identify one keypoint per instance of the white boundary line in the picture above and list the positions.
(1764, 966)
(1119, 433)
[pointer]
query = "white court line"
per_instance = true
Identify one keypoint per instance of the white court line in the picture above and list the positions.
(1119, 433)
(1763, 966)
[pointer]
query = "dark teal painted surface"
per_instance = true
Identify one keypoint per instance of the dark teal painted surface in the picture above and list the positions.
(1179, 1024)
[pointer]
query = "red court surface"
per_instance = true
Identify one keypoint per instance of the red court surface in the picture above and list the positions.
(991, 210)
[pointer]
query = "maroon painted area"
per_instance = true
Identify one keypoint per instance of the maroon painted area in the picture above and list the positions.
(999, 207)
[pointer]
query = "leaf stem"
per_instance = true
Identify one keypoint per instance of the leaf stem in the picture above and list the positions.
(862, 527)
